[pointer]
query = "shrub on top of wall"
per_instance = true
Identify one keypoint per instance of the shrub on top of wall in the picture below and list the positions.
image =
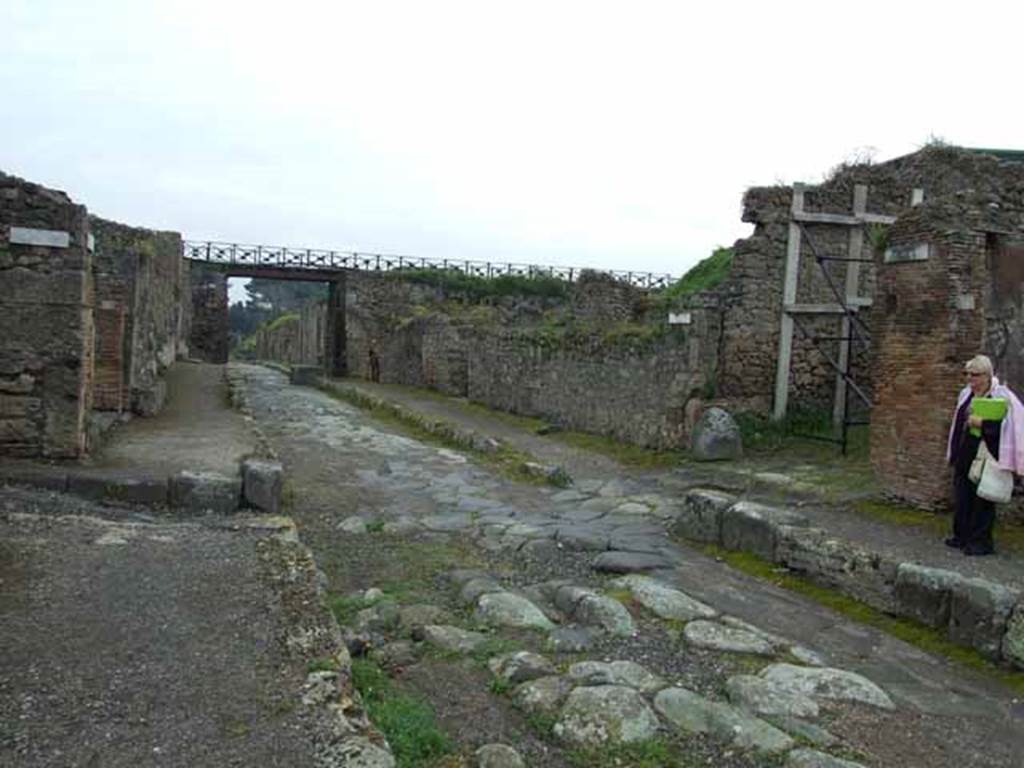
(704, 276)
(475, 288)
(283, 320)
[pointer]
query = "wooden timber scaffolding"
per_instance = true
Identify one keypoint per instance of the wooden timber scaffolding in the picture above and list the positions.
(848, 301)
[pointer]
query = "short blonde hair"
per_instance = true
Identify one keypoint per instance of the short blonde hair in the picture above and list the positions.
(979, 364)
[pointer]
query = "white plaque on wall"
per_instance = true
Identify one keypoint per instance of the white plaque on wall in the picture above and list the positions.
(895, 254)
(50, 238)
(679, 318)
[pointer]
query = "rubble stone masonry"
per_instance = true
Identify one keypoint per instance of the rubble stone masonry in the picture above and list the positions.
(46, 324)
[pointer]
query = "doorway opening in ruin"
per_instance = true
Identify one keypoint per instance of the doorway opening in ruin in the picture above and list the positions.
(279, 318)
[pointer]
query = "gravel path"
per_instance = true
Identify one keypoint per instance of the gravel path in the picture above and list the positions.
(132, 642)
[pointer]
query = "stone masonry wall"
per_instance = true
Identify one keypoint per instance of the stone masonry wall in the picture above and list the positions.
(298, 340)
(934, 314)
(752, 295)
(46, 323)
(141, 280)
(208, 332)
(601, 368)
(635, 392)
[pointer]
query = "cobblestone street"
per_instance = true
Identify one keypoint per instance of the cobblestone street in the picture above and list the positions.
(458, 549)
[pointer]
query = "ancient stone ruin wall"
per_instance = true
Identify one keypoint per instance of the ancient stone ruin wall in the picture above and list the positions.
(635, 391)
(949, 287)
(752, 295)
(588, 361)
(298, 340)
(375, 305)
(208, 331)
(141, 281)
(597, 297)
(92, 315)
(46, 324)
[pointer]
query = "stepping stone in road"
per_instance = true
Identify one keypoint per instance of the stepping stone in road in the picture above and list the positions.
(759, 697)
(826, 683)
(449, 638)
(692, 713)
(543, 695)
(627, 673)
(629, 562)
(473, 590)
(520, 666)
(605, 714)
(571, 639)
(588, 607)
(504, 609)
(662, 601)
(719, 637)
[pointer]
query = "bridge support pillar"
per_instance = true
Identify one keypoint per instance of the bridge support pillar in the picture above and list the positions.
(334, 337)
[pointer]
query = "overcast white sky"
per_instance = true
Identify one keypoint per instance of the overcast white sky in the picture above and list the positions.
(617, 135)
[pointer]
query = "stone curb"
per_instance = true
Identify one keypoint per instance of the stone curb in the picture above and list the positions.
(467, 439)
(258, 486)
(981, 614)
(343, 726)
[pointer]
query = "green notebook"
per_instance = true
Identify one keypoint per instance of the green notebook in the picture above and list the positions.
(989, 408)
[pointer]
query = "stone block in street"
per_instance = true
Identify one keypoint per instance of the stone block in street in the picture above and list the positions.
(752, 527)
(716, 437)
(1013, 640)
(205, 492)
(700, 515)
(262, 483)
(978, 615)
(861, 573)
(925, 594)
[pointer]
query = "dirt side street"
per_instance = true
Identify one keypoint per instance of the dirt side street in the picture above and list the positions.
(132, 642)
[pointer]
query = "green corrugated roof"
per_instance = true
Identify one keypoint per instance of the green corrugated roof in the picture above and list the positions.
(1007, 155)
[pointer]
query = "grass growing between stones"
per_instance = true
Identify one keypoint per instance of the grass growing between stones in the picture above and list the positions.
(654, 753)
(624, 453)
(1009, 537)
(509, 462)
(926, 638)
(407, 722)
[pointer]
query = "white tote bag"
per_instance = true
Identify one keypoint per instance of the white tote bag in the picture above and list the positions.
(996, 483)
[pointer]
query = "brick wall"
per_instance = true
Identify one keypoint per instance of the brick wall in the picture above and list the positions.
(141, 280)
(931, 317)
(46, 324)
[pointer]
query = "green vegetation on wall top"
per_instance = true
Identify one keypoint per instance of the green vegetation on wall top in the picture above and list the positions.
(704, 276)
(476, 288)
(278, 322)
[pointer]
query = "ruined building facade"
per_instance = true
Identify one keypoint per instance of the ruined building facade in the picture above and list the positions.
(94, 311)
(91, 314)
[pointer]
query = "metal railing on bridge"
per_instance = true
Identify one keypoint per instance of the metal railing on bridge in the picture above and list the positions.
(282, 257)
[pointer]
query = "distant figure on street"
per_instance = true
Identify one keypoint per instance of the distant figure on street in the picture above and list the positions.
(974, 516)
(374, 362)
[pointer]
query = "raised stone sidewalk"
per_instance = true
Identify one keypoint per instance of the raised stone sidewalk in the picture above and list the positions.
(203, 454)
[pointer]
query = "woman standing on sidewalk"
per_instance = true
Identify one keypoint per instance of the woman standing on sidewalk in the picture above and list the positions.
(975, 516)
